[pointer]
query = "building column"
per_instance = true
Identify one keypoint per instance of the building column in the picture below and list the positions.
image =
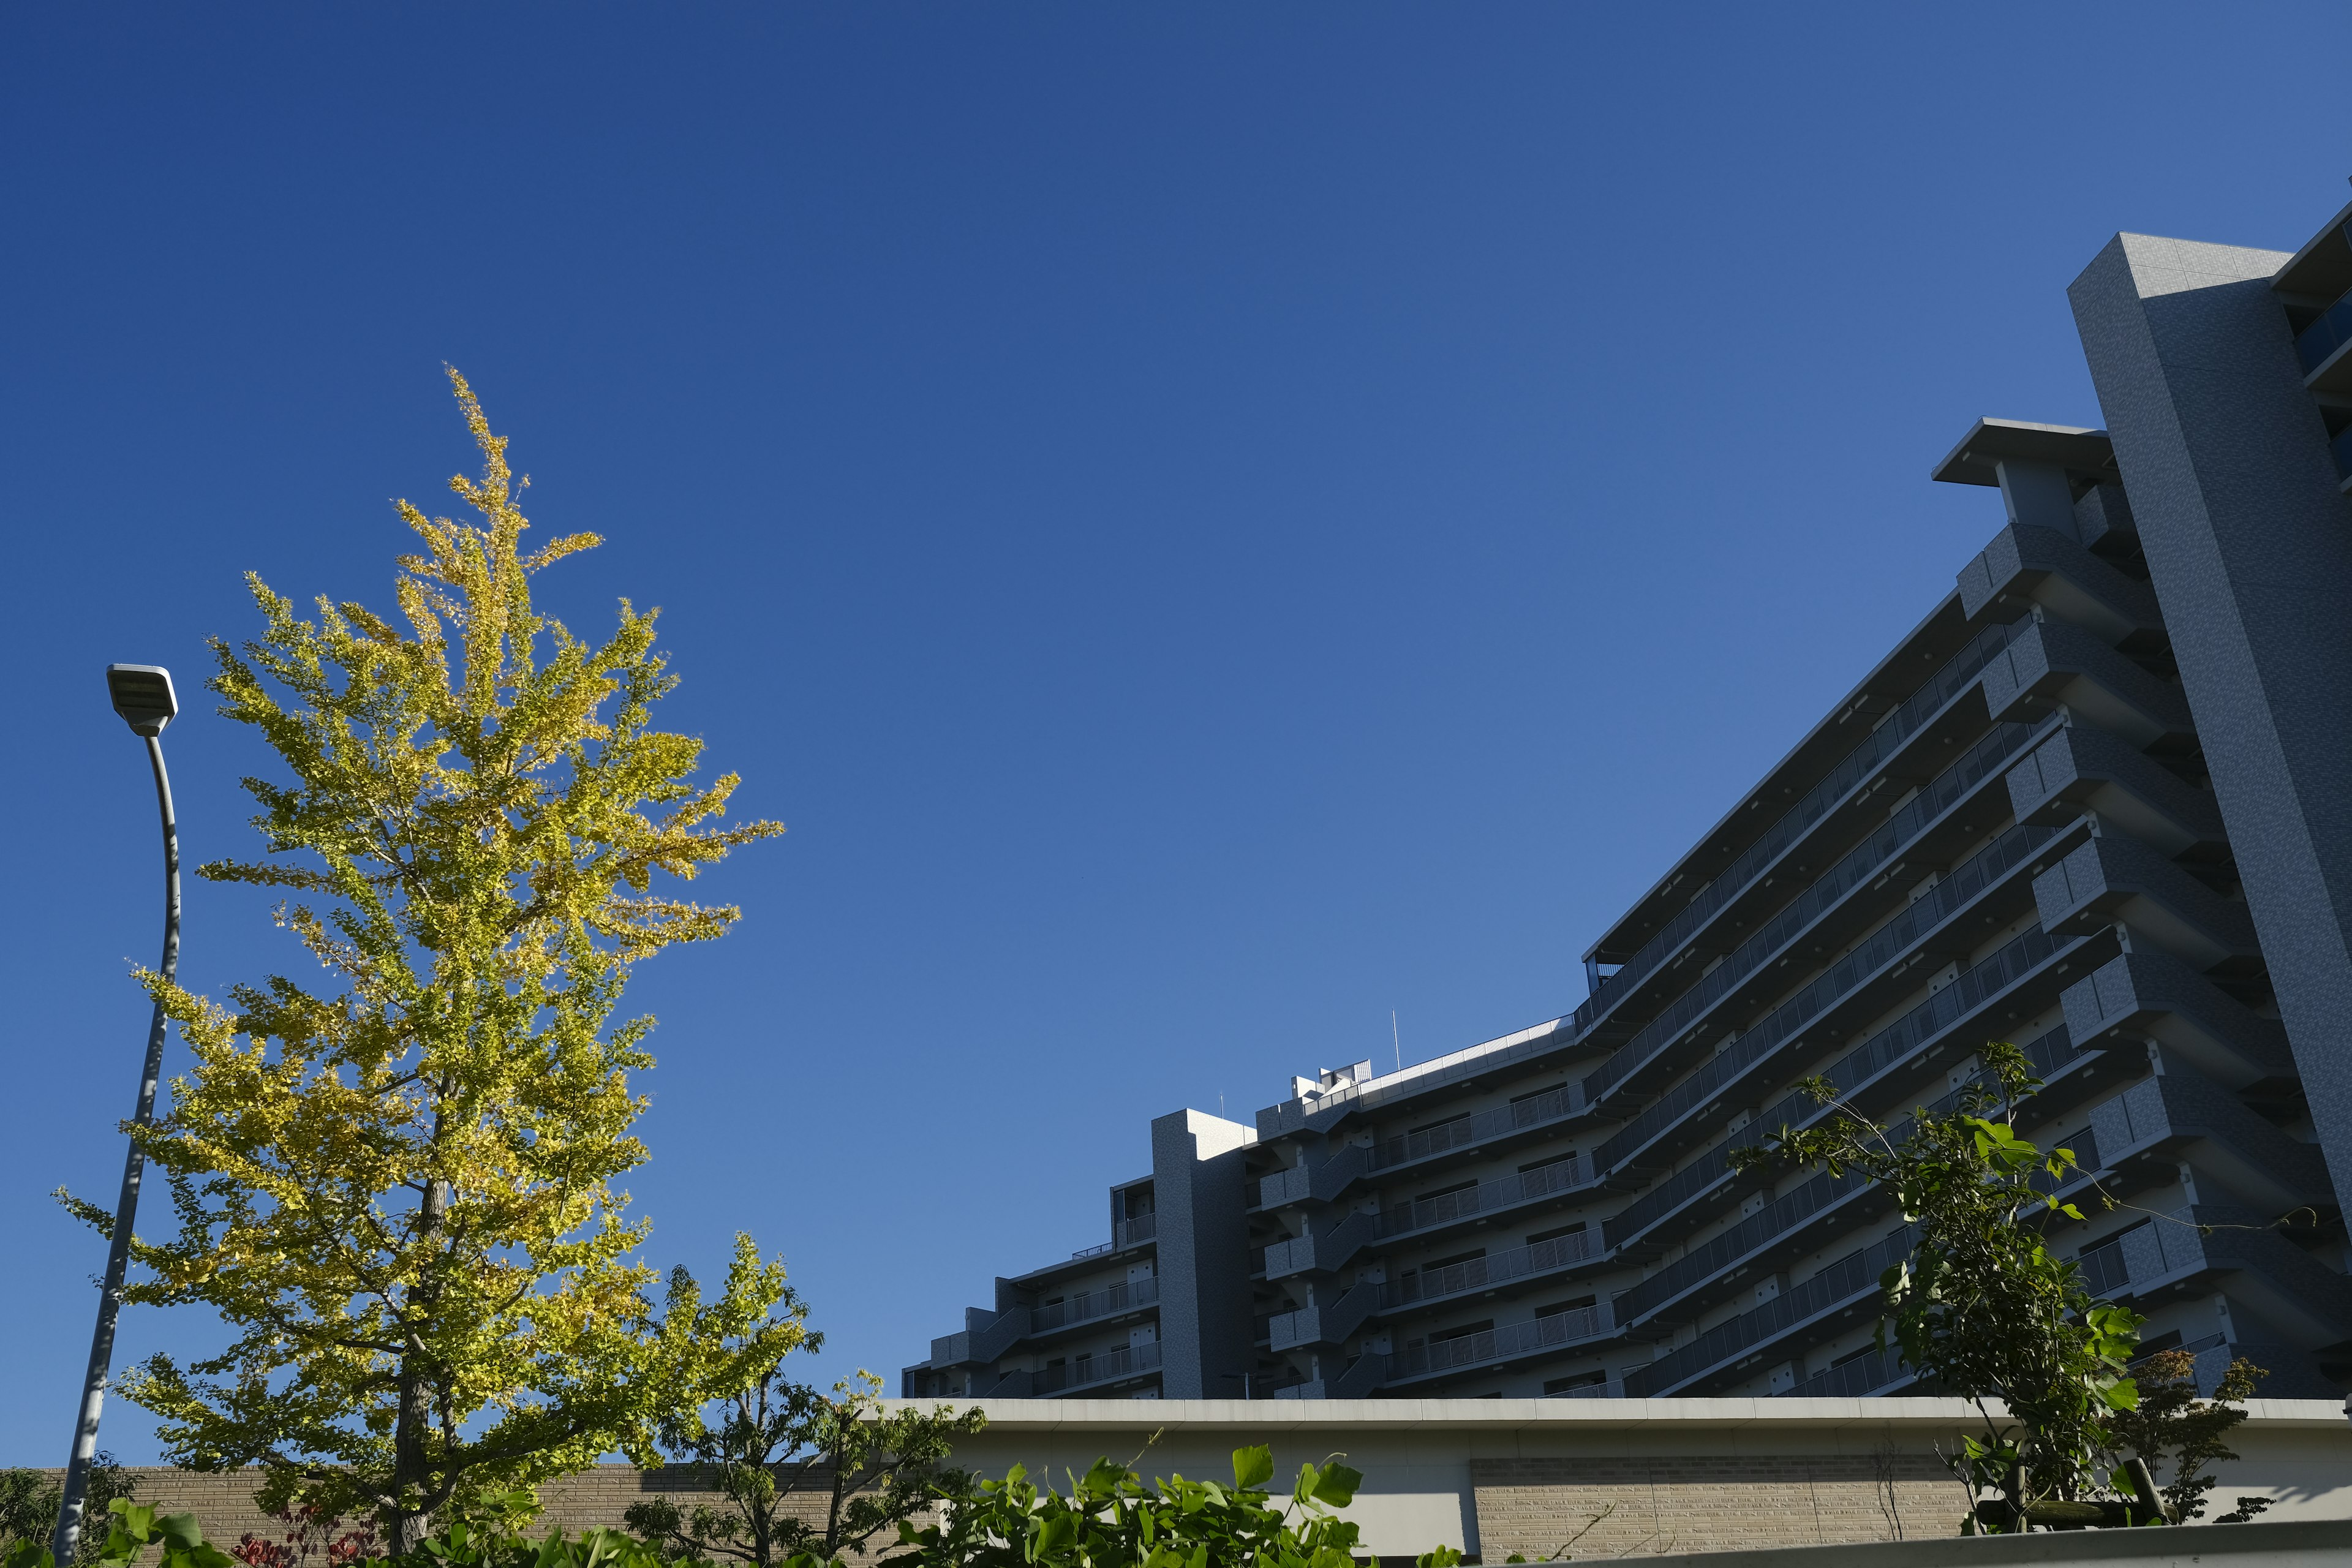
(2249, 540)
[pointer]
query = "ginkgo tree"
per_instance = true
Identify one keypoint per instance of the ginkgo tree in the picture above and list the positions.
(395, 1184)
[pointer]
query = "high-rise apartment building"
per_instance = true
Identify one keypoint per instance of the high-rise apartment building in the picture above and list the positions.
(2097, 802)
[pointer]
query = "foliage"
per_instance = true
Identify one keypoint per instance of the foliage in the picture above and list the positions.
(1982, 1309)
(1113, 1518)
(398, 1188)
(311, 1533)
(2172, 1422)
(773, 1439)
(29, 1503)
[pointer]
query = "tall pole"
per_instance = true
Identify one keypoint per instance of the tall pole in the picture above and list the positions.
(126, 1208)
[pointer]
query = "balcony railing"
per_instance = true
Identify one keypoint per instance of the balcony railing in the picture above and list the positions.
(1709, 1260)
(1992, 754)
(1850, 773)
(1712, 1170)
(1483, 1273)
(1850, 1278)
(1872, 1371)
(1125, 1233)
(1524, 1187)
(2316, 341)
(1107, 1366)
(1505, 1343)
(1553, 1105)
(1800, 1012)
(1088, 1305)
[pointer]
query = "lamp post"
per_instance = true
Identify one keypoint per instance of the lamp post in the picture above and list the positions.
(142, 695)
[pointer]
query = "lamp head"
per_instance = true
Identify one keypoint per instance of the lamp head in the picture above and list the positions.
(142, 695)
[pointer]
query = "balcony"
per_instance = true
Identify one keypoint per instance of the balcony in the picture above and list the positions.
(1498, 1347)
(1709, 1180)
(2114, 877)
(1818, 1306)
(1954, 791)
(1538, 1260)
(2084, 767)
(2024, 562)
(2148, 992)
(1483, 1131)
(1093, 1306)
(1794, 1223)
(2179, 1253)
(1486, 1198)
(1870, 1374)
(2158, 1118)
(1494, 1059)
(1322, 1323)
(1711, 1094)
(1321, 1252)
(1853, 773)
(2053, 662)
(2320, 347)
(1126, 1363)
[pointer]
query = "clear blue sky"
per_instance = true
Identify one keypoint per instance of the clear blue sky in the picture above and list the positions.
(1209, 523)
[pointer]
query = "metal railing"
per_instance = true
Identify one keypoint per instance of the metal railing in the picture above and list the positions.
(1872, 1371)
(2325, 335)
(1087, 1305)
(1995, 753)
(1524, 1187)
(1125, 1233)
(1480, 1273)
(1851, 1277)
(1856, 766)
(1107, 1366)
(1513, 1340)
(1551, 1105)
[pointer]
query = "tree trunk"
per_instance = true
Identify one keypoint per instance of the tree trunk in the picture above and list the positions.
(411, 1465)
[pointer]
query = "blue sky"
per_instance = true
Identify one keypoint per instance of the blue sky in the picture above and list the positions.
(1209, 523)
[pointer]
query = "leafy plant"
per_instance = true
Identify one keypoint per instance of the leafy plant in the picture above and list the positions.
(311, 1533)
(1982, 1308)
(398, 1189)
(774, 1440)
(30, 1502)
(1113, 1518)
(2172, 1424)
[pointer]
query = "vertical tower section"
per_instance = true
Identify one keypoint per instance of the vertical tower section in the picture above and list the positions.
(2221, 436)
(1204, 1305)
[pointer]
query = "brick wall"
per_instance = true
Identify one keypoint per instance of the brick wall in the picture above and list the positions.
(223, 1503)
(1643, 1505)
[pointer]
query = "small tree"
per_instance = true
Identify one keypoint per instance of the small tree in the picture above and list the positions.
(2172, 1424)
(398, 1189)
(30, 1502)
(774, 1441)
(1982, 1309)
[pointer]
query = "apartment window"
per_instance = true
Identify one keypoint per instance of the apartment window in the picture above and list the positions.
(1534, 1093)
(1576, 1380)
(1547, 1162)
(1447, 1192)
(1557, 1308)
(1460, 1332)
(1430, 1265)
(1540, 1237)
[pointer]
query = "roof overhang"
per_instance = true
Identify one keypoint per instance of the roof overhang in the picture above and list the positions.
(1988, 441)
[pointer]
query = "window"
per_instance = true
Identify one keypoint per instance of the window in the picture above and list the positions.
(1540, 1237)
(1547, 1162)
(1461, 1331)
(1575, 1380)
(1447, 1192)
(1557, 1308)
(1533, 1093)
(1433, 1265)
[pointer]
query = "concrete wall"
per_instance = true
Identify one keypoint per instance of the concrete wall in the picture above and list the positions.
(1602, 1477)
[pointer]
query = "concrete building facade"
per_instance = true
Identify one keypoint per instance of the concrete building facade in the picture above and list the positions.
(2098, 801)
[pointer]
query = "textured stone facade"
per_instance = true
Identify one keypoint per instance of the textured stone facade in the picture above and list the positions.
(1643, 1505)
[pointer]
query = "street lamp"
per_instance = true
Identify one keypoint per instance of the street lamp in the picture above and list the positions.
(142, 695)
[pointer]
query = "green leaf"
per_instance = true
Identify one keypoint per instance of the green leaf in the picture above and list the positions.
(1252, 1467)
(1337, 1484)
(181, 1531)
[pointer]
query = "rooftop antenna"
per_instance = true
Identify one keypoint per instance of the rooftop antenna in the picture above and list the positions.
(1396, 1039)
